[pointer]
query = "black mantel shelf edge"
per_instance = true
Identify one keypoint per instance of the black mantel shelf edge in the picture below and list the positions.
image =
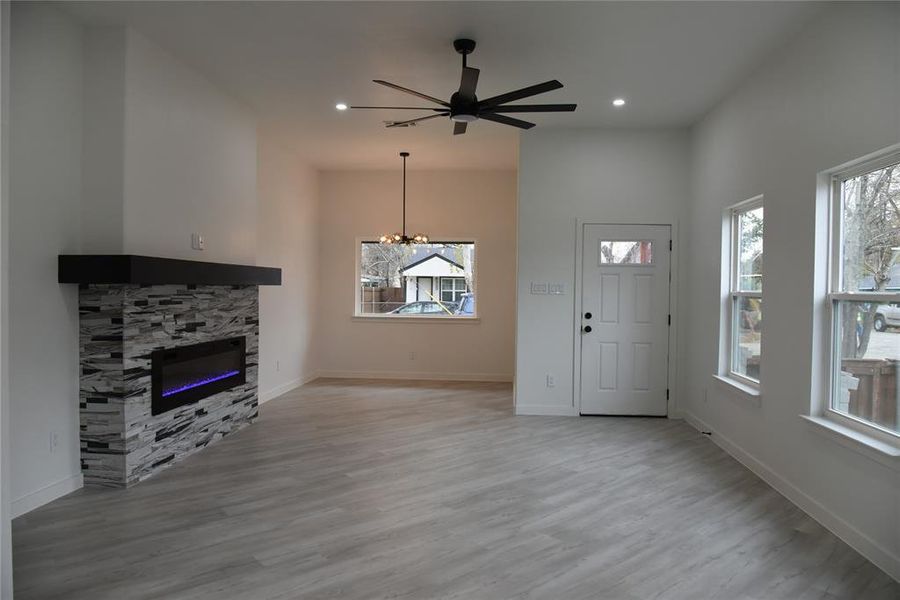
(151, 270)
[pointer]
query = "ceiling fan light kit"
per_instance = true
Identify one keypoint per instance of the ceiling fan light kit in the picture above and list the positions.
(402, 238)
(464, 106)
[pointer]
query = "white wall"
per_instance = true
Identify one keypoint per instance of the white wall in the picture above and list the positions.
(45, 194)
(831, 96)
(455, 204)
(103, 148)
(190, 161)
(166, 154)
(288, 237)
(600, 176)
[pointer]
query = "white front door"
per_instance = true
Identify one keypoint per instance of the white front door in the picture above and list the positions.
(424, 286)
(625, 319)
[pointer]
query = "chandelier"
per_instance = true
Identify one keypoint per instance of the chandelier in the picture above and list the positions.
(402, 238)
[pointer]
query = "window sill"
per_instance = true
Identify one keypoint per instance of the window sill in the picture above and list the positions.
(742, 391)
(410, 319)
(869, 446)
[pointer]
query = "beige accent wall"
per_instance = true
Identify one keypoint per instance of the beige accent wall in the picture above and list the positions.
(479, 205)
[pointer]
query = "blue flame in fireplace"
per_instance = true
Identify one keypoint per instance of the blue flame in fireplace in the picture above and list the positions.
(195, 384)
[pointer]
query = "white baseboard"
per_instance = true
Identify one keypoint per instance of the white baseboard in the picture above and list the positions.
(417, 375)
(286, 387)
(548, 410)
(49, 493)
(883, 558)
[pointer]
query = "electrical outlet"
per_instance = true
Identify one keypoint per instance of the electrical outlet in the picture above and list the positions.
(54, 442)
(197, 242)
(551, 381)
(412, 356)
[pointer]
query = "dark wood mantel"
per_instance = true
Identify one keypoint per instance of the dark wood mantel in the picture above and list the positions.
(152, 270)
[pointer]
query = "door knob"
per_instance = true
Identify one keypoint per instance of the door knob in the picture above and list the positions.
(588, 315)
(587, 329)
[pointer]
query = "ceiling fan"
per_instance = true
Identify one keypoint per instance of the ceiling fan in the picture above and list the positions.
(464, 106)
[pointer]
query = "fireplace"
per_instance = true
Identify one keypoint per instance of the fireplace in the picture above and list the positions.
(169, 359)
(186, 374)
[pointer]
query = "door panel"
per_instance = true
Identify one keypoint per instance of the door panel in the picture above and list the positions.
(609, 298)
(641, 361)
(608, 368)
(643, 292)
(625, 288)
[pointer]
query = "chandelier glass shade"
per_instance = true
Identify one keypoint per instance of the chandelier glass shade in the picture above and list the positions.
(402, 238)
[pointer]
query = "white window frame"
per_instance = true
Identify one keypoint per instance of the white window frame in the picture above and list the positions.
(834, 296)
(733, 293)
(431, 317)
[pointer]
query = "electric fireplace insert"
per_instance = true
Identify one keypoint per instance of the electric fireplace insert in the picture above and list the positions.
(189, 373)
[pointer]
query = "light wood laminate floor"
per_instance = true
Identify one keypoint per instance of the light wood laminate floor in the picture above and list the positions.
(367, 489)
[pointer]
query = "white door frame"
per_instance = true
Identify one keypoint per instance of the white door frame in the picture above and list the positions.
(6, 585)
(672, 373)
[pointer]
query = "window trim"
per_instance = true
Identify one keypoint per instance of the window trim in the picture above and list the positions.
(732, 292)
(356, 315)
(834, 295)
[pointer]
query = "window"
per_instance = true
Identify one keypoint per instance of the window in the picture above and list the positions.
(420, 280)
(744, 310)
(452, 288)
(636, 252)
(864, 296)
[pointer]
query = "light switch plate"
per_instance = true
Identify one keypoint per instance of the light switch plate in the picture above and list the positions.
(557, 289)
(197, 242)
(538, 288)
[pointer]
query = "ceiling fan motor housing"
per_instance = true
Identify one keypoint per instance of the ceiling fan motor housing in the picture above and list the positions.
(463, 109)
(464, 46)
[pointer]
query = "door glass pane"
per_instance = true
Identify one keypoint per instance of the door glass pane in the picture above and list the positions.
(867, 355)
(750, 250)
(637, 252)
(747, 313)
(870, 227)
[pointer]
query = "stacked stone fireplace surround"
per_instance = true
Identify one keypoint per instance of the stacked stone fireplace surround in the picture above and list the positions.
(122, 443)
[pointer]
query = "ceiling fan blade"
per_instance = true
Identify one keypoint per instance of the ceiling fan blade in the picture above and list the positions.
(459, 128)
(531, 90)
(413, 92)
(468, 82)
(515, 108)
(400, 108)
(414, 121)
(506, 120)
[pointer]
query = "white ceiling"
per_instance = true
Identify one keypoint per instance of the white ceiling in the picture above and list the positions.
(292, 61)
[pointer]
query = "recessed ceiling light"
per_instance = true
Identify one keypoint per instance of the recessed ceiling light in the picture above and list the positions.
(340, 106)
(619, 102)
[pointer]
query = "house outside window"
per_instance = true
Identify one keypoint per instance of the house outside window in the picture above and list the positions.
(864, 296)
(419, 280)
(743, 314)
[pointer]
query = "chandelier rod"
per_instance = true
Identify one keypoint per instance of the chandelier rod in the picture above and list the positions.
(404, 155)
